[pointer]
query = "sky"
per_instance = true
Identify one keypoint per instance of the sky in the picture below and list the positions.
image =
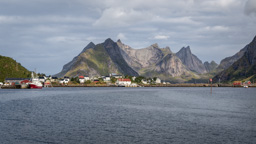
(46, 34)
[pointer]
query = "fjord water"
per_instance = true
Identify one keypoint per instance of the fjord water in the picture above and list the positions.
(128, 115)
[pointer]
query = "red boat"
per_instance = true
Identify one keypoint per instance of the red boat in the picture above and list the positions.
(35, 84)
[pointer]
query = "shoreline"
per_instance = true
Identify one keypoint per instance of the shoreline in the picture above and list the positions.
(160, 85)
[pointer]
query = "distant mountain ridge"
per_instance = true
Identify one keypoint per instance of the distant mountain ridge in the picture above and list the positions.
(116, 57)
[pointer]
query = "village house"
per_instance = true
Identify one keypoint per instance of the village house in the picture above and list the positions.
(144, 81)
(61, 81)
(66, 79)
(54, 79)
(86, 78)
(115, 75)
(123, 82)
(106, 78)
(81, 79)
(42, 79)
(158, 80)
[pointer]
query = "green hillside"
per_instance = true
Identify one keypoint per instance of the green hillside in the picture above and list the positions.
(9, 68)
(93, 61)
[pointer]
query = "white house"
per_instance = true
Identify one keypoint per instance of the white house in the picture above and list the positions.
(86, 78)
(41, 79)
(123, 82)
(66, 79)
(81, 79)
(54, 79)
(106, 78)
(144, 81)
(61, 81)
(158, 80)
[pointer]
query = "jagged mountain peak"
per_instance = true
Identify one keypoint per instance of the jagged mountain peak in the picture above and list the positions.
(119, 41)
(190, 60)
(155, 45)
(108, 40)
(185, 49)
(90, 45)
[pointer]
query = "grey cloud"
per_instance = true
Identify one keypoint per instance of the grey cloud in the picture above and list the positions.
(60, 29)
(250, 7)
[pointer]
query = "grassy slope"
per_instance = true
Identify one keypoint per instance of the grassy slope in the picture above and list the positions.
(9, 68)
(97, 59)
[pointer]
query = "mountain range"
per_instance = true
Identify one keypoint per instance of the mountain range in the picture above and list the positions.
(153, 61)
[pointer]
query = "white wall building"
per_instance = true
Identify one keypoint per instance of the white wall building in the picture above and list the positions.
(123, 82)
(158, 80)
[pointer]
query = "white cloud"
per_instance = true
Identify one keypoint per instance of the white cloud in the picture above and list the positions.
(118, 17)
(121, 36)
(43, 19)
(161, 37)
(215, 28)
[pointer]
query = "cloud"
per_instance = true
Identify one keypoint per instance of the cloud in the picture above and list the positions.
(161, 37)
(250, 7)
(121, 36)
(119, 17)
(64, 27)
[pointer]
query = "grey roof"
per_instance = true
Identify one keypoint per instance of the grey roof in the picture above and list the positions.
(17, 78)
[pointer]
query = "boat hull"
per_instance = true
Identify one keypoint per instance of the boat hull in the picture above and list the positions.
(33, 86)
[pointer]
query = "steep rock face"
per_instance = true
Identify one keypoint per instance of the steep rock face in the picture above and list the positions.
(114, 52)
(210, 66)
(141, 58)
(227, 62)
(153, 61)
(171, 65)
(245, 67)
(190, 60)
(69, 65)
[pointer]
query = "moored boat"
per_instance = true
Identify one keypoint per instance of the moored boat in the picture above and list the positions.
(35, 83)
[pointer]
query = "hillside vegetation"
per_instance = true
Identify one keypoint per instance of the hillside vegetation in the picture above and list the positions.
(9, 68)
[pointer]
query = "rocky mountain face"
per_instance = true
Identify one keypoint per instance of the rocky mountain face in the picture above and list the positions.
(152, 61)
(244, 67)
(210, 67)
(227, 62)
(96, 60)
(191, 61)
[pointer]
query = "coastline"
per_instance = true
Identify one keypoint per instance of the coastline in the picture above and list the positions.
(159, 85)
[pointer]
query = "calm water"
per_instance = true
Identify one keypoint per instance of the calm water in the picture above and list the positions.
(128, 115)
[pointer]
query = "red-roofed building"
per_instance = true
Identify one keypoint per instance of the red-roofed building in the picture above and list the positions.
(81, 77)
(124, 82)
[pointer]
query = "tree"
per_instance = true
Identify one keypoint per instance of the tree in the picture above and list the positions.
(88, 82)
(113, 80)
(139, 79)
